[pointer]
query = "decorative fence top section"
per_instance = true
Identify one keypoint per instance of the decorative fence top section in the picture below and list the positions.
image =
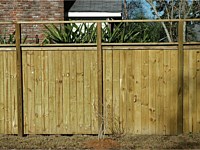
(113, 31)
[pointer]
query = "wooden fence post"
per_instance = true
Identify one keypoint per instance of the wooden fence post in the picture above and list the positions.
(180, 77)
(100, 80)
(20, 112)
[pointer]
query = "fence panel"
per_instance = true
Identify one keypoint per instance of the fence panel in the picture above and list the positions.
(140, 93)
(60, 92)
(8, 92)
(140, 90)
(191, 111)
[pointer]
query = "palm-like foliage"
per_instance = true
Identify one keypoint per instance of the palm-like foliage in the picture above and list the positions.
(70, 33)
(86, 33)
(121, 34)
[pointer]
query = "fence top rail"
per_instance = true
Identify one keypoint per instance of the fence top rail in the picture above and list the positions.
(7, 22)
(103, 44)
(95, 21)
(94, 44)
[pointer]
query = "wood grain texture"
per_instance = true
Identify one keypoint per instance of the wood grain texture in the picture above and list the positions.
(145, 92)
(20, 111)
(61, 92)
(167, 82)
(66, 92)
(186, 93)
(2, 103)
(108, 100)
(198, 91)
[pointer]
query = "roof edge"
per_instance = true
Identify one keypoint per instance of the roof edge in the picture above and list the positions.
(94, 14)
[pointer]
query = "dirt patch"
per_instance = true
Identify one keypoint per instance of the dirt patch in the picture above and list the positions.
(102, 144)
(76, 142)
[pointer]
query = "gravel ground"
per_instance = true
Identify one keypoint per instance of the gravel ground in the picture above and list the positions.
(189, 141)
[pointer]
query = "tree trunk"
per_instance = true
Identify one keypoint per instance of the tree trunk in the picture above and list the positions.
(125, 10)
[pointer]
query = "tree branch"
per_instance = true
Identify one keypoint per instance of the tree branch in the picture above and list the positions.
(186, 15)
(163, 24)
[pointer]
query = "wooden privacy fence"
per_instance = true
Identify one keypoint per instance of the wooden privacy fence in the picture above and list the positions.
(147, 88)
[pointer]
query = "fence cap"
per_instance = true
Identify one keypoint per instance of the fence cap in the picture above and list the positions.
(95, 21)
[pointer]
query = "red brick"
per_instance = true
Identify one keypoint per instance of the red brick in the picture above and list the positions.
(30, 10)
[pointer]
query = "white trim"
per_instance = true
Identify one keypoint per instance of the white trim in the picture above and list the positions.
(93, 14)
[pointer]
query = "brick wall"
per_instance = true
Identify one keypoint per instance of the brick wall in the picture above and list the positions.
(30, 10)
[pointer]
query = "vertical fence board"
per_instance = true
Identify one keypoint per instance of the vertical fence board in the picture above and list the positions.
(13, 93)
(198, 90)
(6, 92)
(138, 92)
(87, 92)
(133, 63)
(190, 92)
(38, 92)
(129, 91)
(25, 83)
(31, 93)
(145, 92)
(152, 92)
(52, 101)
(194, 76)
(66, 91)
(94, 95)
(2, 103)
(80, 89)
(108, 91)
(192, 89)
(116, 92)
(73, 89)
(104, 92)
(92, 87)
(9, 90)
(166, 99)
(122, 92)
(58, 92)
(45, 88)
(186, 93)
(159, 93)
(174, 91)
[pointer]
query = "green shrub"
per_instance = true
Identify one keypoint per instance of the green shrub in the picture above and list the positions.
(123, 32)
(70, 33)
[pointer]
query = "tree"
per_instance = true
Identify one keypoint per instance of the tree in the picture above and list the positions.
(125, 12)
(174, 9)
(135, 10)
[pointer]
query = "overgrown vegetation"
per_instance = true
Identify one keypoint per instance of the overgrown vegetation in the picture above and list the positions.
(123, 32)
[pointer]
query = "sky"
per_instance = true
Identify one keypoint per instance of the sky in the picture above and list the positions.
(147, 7)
